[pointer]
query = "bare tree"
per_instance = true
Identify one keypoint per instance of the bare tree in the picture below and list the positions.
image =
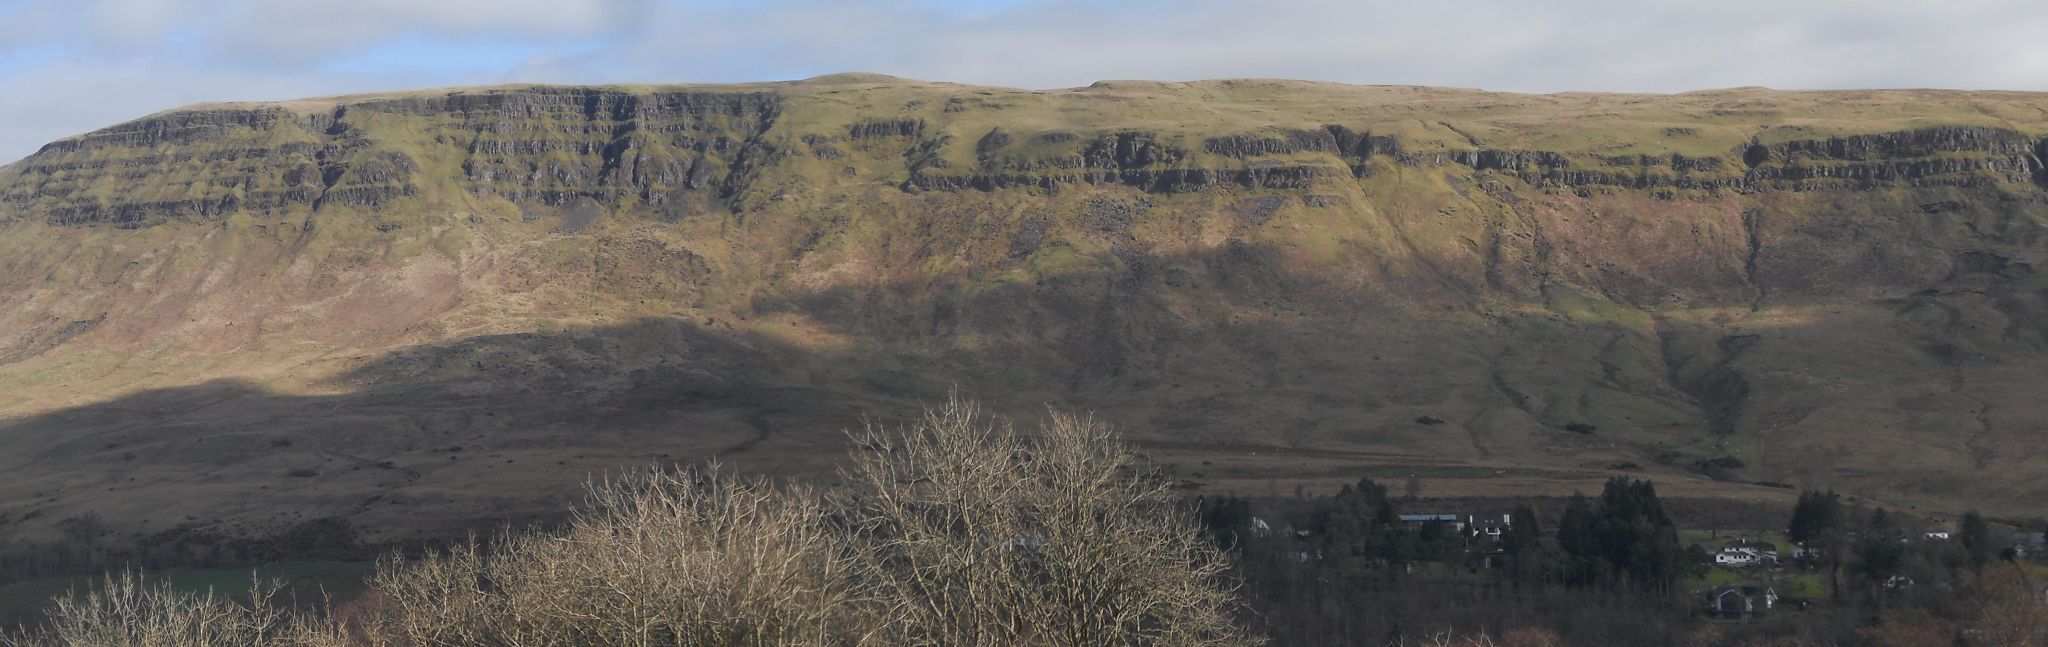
(972, 534)
(2011, 612)
(659, 558)
(127, 610)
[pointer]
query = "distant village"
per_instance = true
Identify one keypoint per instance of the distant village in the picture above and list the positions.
(1752, 560)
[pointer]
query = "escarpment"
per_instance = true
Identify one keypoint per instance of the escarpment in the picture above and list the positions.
(689, 149)
(1295, 158)
(549, 146)
(1837, 289)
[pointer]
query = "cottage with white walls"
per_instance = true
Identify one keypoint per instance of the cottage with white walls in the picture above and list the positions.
(1746, 601)
(1490, 528)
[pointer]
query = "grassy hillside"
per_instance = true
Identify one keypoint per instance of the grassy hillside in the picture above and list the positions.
(424, 311)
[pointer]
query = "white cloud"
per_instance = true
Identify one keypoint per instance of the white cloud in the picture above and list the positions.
(124, 58)
(312, 28)
(136, 24)
(1497, 44)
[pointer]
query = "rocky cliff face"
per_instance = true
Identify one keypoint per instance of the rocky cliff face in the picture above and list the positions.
(1830, 289)
(546, 145)
(554, 146)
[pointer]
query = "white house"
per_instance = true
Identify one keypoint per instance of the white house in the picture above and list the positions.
(1492, 529)
(1747, 552)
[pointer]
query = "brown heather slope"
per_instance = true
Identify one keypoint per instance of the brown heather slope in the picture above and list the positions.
(426, 311)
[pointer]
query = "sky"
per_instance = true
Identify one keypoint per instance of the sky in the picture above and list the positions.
(70, 66)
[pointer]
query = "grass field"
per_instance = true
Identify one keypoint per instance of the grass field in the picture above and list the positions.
(1790, 583)
(1709, 538)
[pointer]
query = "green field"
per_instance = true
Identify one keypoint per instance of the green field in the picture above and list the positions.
(1710, 538)
(1790, 581)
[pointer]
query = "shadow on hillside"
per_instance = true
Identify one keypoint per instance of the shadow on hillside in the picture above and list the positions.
(1230, 350)
(471, 433)
(1225, 349)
